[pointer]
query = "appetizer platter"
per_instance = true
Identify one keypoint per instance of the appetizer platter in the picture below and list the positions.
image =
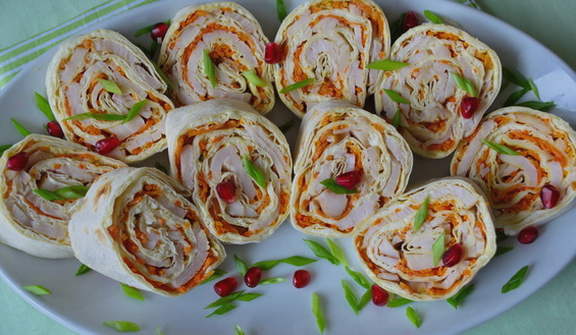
(288, 167)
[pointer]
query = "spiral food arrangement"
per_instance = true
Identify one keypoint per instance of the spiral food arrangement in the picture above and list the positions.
(429, 242)
(223, 35)
(108, 97)
(137, 227)
(328, 44)
(238, 165)
(350, 163)
(525, 160)
(42, 179)
(446, 80)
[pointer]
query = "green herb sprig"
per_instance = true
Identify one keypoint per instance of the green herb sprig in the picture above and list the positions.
(516, 281)
(297, 85)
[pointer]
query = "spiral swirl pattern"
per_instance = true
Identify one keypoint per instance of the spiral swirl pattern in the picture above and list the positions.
(74, 86)
(235, 42)
(432, 122)
(546, 147)
(399, 257)
(136, 226)
(331, 42)
(30, 222)
(207, 145)
(337, 138)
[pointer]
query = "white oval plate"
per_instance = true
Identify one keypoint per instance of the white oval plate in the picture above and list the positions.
(83, 303)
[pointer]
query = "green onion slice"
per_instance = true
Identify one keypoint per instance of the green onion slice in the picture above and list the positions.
(254, 79)
(209, 68)
(421, 214)
(500, 148)
(21, 129)
(387, 65)
(465, 84)
(297, 85)
(122, 326)
(110, 86)
(254, 172)
(44, 106)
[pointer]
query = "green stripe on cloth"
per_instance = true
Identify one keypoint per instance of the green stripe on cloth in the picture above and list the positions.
(56, 37)
(4, 80)
(61, 31)
(30, 39)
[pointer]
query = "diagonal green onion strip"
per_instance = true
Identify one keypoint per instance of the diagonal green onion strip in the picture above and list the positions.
(421, 214)
(465, 84)
(110, 86)
(44, 106)
(500, 148)
(21, 129)
(254, 79)
(254, 172)
(297, 85)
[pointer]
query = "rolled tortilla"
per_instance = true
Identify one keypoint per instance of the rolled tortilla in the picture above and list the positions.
(546, 145)
(432, 122)
(136, 226)
(235, 42)
(74, 86)
(208, 144)
(400, 259)
(331, 42)
(29, 222)
(336, 138)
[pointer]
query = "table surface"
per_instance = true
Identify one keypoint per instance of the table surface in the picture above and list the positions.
(548, 311)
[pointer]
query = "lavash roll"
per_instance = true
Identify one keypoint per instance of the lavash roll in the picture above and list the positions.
(332, 42)
(29, 222)
(400, 259)
(546, 147)
(235, 42)
(336, 138)
(207, 144)
(137, 226)
(74, 86)
(432, 122)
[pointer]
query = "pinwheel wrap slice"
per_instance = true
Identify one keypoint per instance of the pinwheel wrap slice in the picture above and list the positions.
(207, 145)
(29, 222)
(235, 42)
(546, 147)
(331, 42)
(136, 226)
(400, 259)
(74, 86)
(337, 138)
(432, 122)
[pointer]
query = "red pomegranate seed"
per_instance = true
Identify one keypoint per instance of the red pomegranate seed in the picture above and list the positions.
(53, 128)
(18, 161)
(106, 145)
(227, 191)
(226, 286)
(468, 106)
(349, 179)
(410, 20)
(528, 235)
(159, 30)
(453, 255)
(272, 53)
(379, 295)
(549, 196)
(253, 276)
(301, 278)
